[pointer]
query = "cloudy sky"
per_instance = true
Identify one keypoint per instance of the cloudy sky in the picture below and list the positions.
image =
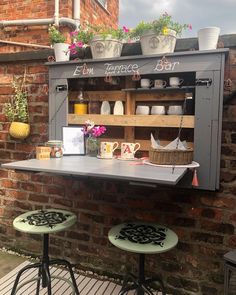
(201, 13)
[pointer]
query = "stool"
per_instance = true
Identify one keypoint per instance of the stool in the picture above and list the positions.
(142, 238)
(45, 222)
(229, 266)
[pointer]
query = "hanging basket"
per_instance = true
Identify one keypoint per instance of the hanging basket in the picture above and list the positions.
(151, 43)
(19, 130)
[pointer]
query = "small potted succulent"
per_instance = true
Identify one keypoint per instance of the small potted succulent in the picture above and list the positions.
(158, 36)
(17, 112)
(105, 42)
(58, 41)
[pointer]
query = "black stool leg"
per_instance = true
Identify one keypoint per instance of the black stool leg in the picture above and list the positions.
(39, 280)
(226, 278)
(141, 277)
(35, 265)
(67, 264)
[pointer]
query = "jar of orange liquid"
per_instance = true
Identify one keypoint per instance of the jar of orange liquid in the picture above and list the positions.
(80, 107)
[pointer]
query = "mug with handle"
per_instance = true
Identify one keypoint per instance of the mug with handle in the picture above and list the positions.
(128, 149)
(107, 148)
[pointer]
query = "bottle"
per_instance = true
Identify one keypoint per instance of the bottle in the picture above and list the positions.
(80, 107)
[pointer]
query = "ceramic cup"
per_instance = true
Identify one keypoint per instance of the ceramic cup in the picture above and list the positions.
(146, 83)
(107, 148)
(128, 149)
(158, 110)
(142, 110)
(175, 110)
(175, 81)
(159, 83)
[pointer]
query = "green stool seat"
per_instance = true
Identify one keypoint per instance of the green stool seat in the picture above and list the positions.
(45, 222)
(142, 238)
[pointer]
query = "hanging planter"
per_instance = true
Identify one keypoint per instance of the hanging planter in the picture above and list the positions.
(17, 111)
(19, 130)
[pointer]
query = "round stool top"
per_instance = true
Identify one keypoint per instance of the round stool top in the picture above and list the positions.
(142, 237)
(44, 221)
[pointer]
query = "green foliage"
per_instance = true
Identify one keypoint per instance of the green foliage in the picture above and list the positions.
(55, 36)
(17, 109)
(159, 26)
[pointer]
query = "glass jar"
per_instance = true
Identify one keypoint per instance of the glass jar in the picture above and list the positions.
(92, 146)
(56, 148)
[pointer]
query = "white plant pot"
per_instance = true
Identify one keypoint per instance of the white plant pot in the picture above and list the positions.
(105, 48)
(151, 43)
(208, 38)
(61, 51)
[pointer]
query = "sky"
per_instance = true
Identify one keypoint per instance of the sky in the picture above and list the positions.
(198, 13)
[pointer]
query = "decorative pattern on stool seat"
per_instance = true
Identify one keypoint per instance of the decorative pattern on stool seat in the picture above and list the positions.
(44, 221)
(142, 238)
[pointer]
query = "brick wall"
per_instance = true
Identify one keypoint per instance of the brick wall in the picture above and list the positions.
(35, 9)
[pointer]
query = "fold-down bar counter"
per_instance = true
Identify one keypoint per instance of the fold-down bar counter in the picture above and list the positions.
(93, 167)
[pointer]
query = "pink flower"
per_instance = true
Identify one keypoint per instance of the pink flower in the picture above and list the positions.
(125, 29)
(190, 27)
(92, 130)
(74, 33)
(79, 44)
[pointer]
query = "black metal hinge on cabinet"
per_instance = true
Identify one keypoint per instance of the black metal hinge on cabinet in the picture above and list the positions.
(60, 88)
(203, 82)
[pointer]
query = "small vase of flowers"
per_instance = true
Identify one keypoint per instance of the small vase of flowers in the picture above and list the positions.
(92, 134)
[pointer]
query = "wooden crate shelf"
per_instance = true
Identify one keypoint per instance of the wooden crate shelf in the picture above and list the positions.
(134, 120)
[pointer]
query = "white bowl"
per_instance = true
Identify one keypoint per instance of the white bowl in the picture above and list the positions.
(158, 110)
(142, 110)
(175, 110)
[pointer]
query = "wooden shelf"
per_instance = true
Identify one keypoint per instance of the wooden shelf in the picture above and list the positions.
(153, 89)
(134, 120)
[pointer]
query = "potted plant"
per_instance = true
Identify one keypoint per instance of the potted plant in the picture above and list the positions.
(17, 112)
(57, 39)
(105, 42)
(158, 36)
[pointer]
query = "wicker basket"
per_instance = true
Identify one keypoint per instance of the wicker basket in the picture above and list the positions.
(170, 157)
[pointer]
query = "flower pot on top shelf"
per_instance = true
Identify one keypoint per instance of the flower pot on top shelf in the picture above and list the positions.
(158, 36)
(208, 38)
(61, 51)
(107, 47)
(104, 42)
(57, 39)
(152, 43)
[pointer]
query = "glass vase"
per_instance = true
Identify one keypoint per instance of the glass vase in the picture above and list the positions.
(92, 146)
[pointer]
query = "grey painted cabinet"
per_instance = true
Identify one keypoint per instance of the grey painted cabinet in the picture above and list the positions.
(201, 95)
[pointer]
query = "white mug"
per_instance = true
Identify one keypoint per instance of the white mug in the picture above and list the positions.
(175, 81)
(146, 83)
(142, 110)
(128, 149)
(175, 110)
(158, 110)
(159, 83)
(107, 148)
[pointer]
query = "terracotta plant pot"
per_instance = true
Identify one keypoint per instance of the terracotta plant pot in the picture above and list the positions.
(19, 130)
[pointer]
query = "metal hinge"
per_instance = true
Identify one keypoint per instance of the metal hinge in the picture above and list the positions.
(60, 88)
(203, 82)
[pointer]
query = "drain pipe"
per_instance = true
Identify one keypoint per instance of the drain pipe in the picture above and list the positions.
(25, 44)
(76, 12)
